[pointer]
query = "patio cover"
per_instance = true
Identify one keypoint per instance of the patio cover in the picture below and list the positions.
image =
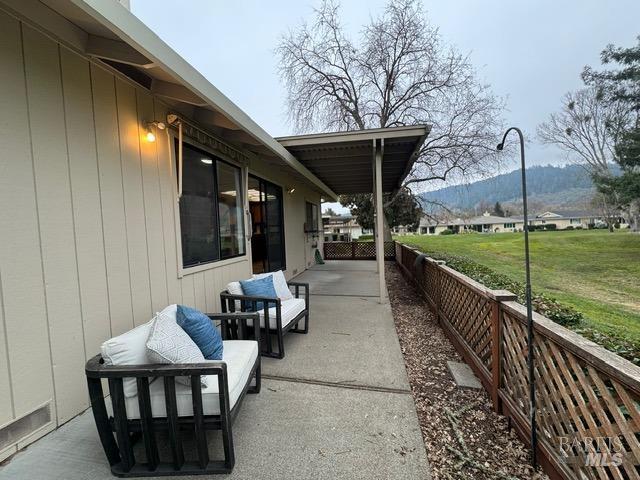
(363, 161)
(344, 160)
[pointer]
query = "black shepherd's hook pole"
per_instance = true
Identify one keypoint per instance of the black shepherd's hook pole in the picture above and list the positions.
(530, 346)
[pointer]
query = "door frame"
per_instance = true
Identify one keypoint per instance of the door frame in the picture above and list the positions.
(263, 182)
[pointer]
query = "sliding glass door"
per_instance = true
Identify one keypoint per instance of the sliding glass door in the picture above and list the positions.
(267, 232)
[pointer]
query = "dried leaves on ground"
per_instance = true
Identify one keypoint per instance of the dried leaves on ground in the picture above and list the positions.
(463, 437)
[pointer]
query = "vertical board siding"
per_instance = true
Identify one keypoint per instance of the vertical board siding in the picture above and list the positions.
(6, 402)
(294, 213)
(85, 190)
(25, 323)
(112, 200)
(55, 215)
(168, 192)
(210, 287)
(200, 291)
(9, 57)
(152, 206)
(188, 291)
(134, 201)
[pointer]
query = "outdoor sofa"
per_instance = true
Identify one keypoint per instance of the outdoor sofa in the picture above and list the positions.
(278, 315)
(161, 404)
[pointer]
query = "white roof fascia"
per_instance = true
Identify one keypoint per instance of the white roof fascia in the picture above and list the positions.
(134, 32)
(354, 136)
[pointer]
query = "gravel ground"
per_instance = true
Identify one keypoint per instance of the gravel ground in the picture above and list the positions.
(480, 445)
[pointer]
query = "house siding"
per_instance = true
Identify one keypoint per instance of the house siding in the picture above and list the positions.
(89, 240)
(26, 374)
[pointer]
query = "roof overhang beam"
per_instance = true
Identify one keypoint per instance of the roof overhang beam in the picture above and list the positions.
(117, 51)
(176, 92)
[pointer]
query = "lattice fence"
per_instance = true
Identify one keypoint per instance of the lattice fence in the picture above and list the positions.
(588, 402)
(467, 310)
(430, 284)
(356, 250)
(338, 251)
(389, 250)
(364, 250)
(408, 257)
(578, 398)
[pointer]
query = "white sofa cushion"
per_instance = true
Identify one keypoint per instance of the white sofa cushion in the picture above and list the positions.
(169, 343)
(239, 355)
(234, 288)
(289, 309)
(130, 348)
(279, 283)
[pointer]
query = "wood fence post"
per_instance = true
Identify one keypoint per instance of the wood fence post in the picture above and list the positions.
(353, 250)
(438, 292)
(497, 296)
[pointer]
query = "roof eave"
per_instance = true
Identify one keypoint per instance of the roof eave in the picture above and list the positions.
(131, 30)
(414, 155)
(368, 134)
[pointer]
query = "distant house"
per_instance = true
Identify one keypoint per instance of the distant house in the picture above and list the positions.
(488, 223)
(568, 218)
(485, 223)
(342, 228)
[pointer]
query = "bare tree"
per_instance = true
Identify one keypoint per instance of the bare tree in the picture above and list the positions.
(398, 73)
(586, 128)
(483, 206)
(608, 207)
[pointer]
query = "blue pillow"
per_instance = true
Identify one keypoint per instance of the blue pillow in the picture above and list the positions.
(259, 287)
(201, 330)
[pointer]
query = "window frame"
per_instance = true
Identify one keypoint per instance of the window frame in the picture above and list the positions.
(243, 257)
(316, 228)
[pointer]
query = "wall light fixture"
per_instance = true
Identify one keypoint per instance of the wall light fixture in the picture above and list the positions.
(149, 126)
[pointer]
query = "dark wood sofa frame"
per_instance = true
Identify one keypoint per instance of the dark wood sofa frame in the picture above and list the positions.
(249, 303)
(120, 454)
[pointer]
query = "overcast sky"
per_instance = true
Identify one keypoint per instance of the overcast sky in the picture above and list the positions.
(530, 52)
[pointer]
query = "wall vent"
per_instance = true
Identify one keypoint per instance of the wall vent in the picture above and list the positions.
(24, 426)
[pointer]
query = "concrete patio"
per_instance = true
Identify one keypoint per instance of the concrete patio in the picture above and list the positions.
(337, 406)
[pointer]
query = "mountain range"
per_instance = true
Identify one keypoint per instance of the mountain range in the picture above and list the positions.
(548, 187)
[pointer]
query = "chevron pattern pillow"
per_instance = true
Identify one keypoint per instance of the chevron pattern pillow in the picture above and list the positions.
(169, 343)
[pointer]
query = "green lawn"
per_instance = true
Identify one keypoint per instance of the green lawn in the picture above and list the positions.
(594, 271)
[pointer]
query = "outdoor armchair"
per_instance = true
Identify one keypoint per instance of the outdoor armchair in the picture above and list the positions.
(277, 316)
(163, 405)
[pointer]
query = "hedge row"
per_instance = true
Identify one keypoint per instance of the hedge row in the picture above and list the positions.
(544, 304)
(546, 226)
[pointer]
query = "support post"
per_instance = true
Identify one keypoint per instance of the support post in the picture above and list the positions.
(438, 293)
(373, 201)
(379, 148)
(497, 296)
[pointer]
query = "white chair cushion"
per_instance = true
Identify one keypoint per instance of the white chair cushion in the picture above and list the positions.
(234, 288)
(239, 355)
(130, 348)
(289, 309)
(279, 283)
